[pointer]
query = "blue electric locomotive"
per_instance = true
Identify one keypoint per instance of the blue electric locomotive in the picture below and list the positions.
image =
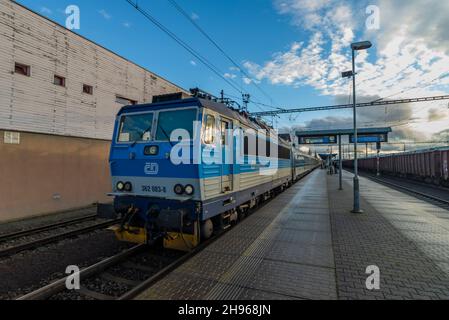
(182, 169)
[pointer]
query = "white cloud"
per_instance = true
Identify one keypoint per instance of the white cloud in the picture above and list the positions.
(419, 19)
(407, 56)
(410, 57)
(193, 63)
(230, 76)
(126, 24)
(194, 16)
(105, 14)
(46, 10)
(437, 114)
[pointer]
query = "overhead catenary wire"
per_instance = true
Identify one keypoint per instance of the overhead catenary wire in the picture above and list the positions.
(187, 47)
(255, 102)
(219, 48)
(239, 89)
(414, 87)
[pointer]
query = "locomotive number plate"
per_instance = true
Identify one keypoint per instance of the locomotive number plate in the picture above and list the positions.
(154, 189)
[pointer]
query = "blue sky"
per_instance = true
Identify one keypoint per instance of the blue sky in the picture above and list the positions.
(294, 49)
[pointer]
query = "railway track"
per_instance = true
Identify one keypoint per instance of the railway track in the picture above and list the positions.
(433, 198)
(120, 277)
(14, 249)
(111, 279)
(24, 233)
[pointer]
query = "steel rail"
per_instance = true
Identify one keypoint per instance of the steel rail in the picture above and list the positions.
(422, 194)
(60, 285)
(24, 233)
(51, 239)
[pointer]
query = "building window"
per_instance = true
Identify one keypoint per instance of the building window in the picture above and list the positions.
(11, 137)
(88, 89)
(59, 81)
(125, 101)
(22, 69)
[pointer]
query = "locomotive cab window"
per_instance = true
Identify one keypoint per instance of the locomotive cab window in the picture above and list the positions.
(169, 121)
(135, 128)
(209, 129)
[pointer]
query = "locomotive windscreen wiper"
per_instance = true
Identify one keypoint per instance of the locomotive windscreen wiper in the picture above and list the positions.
(141, 135)
(165, 133)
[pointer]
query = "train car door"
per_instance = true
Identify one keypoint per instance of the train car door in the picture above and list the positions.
(227, 175)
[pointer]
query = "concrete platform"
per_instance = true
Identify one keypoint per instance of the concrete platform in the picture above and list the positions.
(305, 244)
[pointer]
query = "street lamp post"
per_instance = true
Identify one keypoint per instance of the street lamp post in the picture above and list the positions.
(356, 47)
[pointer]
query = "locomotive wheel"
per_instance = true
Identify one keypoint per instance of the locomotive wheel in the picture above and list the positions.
(207, 229)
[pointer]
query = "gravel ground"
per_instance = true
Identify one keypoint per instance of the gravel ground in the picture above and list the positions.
(131, 274)
(30, 270)
(109, 288)
(70, 296)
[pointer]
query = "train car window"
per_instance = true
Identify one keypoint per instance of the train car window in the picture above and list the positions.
(268, 144)
(225, 126)
(135, 128)
(250, 145)
(284, 153)
(169, 121)
(209, 129)
(263, 145)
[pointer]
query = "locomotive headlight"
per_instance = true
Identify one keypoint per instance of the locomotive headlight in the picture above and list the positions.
(179, 189)
(128, 187)
(151, 150)
(189, 189)
(120, 186)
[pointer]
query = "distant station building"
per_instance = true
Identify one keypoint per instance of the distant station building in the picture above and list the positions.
(59, 94)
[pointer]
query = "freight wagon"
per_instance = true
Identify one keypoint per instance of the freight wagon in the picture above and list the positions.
(430, 166)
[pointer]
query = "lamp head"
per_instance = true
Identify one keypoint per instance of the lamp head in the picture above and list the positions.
(363, 45)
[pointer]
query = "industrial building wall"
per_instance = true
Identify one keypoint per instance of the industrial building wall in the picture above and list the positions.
(34, 103)
(61, 159)
(47, 173)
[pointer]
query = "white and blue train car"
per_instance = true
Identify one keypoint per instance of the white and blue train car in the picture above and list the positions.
(166, 190)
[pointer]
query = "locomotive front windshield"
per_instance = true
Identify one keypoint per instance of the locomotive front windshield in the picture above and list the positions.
(138, 127)
(135, 128)
(169, 121)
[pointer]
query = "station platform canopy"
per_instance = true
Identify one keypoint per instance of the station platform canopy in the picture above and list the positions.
(342, 132)
(365, 135)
